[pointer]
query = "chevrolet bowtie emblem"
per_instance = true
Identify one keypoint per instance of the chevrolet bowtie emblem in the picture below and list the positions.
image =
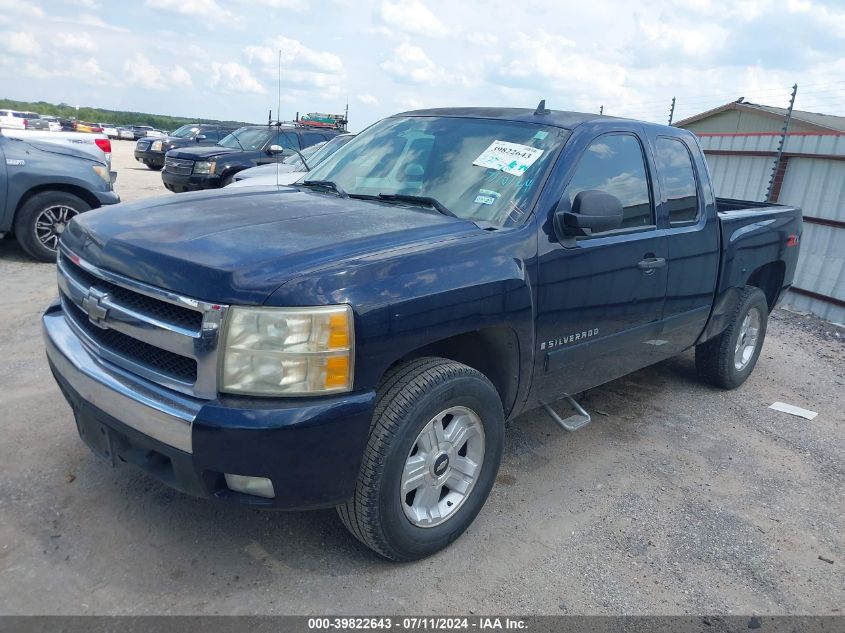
(94, 306)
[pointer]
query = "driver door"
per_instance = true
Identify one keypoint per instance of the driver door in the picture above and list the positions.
(600, 298)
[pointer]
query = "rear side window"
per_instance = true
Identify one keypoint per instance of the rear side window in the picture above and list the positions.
(677, 180)
(311, 138)
(614, 164)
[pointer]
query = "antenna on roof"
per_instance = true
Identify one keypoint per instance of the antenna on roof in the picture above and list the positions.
(541, 108)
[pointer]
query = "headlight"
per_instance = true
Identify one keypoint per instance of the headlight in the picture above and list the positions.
(288, 351)
(205, 167)
(102, 172)
(156, 146)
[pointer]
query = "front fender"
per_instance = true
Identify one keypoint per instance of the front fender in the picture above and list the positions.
(420, 295)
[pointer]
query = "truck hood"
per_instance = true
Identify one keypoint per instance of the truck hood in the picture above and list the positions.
(202, 152)
(62, 148)
(239, 246)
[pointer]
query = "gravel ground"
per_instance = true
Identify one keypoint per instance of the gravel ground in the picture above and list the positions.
(679, 498)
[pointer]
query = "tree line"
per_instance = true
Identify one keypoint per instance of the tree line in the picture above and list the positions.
(101, 115)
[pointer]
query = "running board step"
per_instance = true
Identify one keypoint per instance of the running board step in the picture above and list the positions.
(573, 422)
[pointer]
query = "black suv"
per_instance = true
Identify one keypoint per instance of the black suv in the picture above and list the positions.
(151, 151)
(194, 168)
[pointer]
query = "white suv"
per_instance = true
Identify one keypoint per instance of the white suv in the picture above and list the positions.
(12, 120)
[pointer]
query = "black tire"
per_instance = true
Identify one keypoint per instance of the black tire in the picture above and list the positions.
(716, 360)
(155, 167)
(227, 180)
(409, 397)
(26, 231)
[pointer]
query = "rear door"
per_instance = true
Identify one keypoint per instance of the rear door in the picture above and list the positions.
(688, 218)
(600, 300)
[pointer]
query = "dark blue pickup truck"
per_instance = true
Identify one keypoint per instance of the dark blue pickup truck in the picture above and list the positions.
(359, 339)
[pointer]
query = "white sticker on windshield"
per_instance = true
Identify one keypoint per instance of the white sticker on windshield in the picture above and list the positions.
(511, 158)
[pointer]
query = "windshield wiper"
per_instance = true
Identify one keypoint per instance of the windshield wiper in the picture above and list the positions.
(326, 184)
(432, 202)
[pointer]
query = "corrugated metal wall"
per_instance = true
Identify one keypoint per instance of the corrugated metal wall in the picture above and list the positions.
(743, 177)
(811, 181)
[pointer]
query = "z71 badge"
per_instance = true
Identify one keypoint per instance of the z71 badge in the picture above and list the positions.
(569, 338)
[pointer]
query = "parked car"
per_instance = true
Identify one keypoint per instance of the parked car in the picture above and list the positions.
(97, 145)
(194, 168)
(46, 184)
(292, 168)
(126, 133)
(12, 120)
(34, 122)
(54, 124)
(140, 131)
(82, 126)
(151, 151)
(360, 340)
(109, 129)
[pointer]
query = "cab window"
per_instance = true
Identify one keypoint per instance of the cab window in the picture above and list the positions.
(614, 164)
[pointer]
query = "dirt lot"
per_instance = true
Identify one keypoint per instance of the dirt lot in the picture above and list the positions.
(679, 498)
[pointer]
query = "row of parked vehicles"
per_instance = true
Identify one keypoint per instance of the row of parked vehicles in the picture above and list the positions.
(358, 339)
(20, 120)
(210, 156)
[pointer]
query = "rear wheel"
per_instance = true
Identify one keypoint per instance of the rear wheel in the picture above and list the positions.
(727, 360)
(434, 450)
(43, 218)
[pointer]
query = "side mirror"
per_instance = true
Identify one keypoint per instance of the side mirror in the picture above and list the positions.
(591, 212)
(200, 137)
(276, 149)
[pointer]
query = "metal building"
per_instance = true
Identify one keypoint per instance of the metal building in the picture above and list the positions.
(741, 141)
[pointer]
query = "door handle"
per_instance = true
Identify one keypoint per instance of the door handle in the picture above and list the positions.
(649, 264)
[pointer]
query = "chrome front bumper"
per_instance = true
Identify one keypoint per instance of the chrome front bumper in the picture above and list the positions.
(149, 409)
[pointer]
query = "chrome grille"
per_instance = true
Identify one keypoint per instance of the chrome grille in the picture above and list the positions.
(164, 337)
(178, 165)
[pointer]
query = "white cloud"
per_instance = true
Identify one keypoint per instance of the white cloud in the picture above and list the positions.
(295, 54)
(482, 39)
(412, 16)
(75, 41)
(234, 77)
(20, 42)
(293, 5)
(141, 71)
(28, 10)
(695, 39)
(368, 99)
(86, 71)
(205, 10)
(410, 63)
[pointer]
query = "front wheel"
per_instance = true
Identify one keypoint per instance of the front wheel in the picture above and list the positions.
(728, 359)
(434, 450)
(42, 219)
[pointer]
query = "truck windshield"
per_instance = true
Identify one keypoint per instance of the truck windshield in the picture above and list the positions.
(184, 131)
(477, 169)
(248, 139)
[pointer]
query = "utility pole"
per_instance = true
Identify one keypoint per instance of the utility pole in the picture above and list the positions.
(672, 111)
(776, 167)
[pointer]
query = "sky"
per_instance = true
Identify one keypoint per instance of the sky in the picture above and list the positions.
(220, 58)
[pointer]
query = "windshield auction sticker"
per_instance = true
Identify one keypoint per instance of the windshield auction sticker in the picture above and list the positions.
(511, 158)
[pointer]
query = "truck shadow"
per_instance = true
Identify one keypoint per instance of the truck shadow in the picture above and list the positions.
(11, 251)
